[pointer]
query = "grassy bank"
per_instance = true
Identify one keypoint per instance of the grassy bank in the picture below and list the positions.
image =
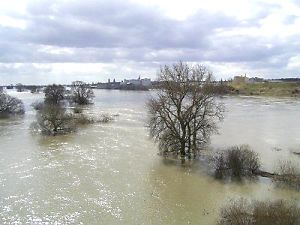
(280, 89)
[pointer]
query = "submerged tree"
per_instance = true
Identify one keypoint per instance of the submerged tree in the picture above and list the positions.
(33, 89)
(10, 105)
(81, 93)
(54, 119)
(184, 113)
(54, 94)
(20, 87)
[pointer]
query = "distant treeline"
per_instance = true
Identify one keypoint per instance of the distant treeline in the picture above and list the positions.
(288, 79)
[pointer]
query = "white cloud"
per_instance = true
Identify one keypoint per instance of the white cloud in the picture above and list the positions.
(7, 21)
(294, 63)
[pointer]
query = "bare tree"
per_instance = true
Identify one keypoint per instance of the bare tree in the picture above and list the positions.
(81, 93)
(184, 113)
(54, 119)
(33, 89)
(20, 87)
(54, 94)
(10, 105)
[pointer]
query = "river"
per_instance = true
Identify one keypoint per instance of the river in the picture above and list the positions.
(111, 173)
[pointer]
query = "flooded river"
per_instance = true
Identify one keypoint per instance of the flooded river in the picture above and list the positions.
(111, 173)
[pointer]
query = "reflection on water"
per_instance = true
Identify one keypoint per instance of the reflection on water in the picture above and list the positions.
(111, 173)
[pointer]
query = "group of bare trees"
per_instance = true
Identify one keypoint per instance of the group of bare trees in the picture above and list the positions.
(80, 93)
(53, 117)
(184, 112)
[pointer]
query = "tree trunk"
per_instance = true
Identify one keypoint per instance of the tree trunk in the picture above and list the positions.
(182, 151)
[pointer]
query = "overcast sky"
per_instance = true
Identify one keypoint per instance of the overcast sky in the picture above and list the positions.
(61, 41)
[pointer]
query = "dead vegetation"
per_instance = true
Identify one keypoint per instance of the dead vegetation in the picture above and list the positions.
(236, 162)
(243, 212)
(288, 173)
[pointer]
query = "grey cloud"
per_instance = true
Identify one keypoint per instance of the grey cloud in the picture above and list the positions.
(118, 24)
(119, 31)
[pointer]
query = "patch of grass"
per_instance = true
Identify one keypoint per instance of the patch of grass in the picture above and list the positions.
(284, 89)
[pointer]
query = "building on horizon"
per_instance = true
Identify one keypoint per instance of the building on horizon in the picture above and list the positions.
(126, 84)
(146, 82)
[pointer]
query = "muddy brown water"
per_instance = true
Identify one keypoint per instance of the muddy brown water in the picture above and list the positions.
(111, 173)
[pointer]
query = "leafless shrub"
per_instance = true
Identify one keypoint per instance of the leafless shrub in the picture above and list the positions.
(237, 213)
(83, 119)
(243, 212)
(81, 93)
(38, 105)
(237, 161)
(105, 118)
(288, 173)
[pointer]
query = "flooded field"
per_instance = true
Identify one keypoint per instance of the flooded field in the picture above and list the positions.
(111, 173)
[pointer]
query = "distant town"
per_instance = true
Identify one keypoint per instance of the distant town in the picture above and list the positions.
(145, 84)
(130, 84)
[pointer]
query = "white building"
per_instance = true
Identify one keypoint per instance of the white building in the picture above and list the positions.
(138, 82)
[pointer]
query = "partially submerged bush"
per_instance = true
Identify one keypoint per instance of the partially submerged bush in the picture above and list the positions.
(10, 105)
(243, 212)
(20, 87)
(83, 119)
(81, 93)
(53, 120)
(104, 118)
(237, 213)
(237, 161)
(56, 120)
(38, 105)
(77, 109)
(288, 173)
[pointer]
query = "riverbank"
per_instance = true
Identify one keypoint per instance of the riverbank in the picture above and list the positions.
(280, 89)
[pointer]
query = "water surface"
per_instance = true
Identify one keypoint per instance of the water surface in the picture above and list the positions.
(111, 173)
